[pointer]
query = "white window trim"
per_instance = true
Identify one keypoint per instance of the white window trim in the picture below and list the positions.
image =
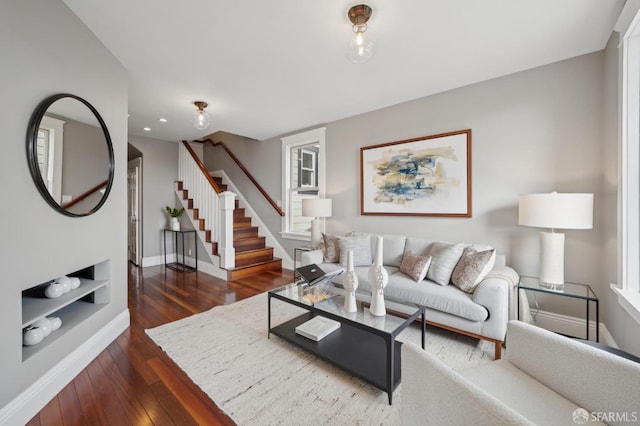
(628, 290)
(288, 142)
(56, 142)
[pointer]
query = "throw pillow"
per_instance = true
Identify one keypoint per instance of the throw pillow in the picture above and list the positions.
(472, 268)
(331, 248)
(415, 266)
(444, 258)
(361, 247)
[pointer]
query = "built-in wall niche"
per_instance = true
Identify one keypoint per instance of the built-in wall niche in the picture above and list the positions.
(73, 308)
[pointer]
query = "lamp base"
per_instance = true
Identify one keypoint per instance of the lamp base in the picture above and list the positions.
(316, 233)
(552, 260)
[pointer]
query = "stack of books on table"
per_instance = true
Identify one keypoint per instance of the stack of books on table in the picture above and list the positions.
(317, 328)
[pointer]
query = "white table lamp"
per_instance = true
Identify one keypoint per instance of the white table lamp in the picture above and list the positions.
(316, 208)
(555, 211)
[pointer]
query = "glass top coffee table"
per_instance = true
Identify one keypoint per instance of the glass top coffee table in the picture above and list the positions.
(364, 345)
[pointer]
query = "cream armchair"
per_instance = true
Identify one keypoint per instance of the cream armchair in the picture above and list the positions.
(545, 379)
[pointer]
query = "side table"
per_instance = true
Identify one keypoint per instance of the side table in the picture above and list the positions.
(573, 290)
(176, 236)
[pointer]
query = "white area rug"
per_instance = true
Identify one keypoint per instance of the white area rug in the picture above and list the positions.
(256, 380)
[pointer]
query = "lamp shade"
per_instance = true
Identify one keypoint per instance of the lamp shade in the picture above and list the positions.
(553, 210)
(316, 207)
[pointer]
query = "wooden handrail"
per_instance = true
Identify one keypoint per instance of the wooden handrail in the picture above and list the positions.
(85, 195)
(204, 170)
(246, 172)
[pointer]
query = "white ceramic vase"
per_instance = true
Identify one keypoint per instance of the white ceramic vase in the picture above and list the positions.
(378, 280)
(175, 224)
(54, 290)
(350, 284)
(45, 325)
(74, 282)
(32, 336)
(56, 322)
(65, 282)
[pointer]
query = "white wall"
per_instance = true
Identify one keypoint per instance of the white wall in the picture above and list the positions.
(45, 49)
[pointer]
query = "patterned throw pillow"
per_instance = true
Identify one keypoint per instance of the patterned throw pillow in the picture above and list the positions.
(361, 247)
(444, 258)
(472, 268)
(415, 266)
(331, 248)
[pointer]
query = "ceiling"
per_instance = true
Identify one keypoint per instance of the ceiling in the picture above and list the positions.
(272, 67)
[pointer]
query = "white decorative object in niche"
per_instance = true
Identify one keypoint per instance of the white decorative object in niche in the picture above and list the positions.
(72, 307)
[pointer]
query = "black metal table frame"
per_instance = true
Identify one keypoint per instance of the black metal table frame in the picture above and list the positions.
(308, 344)
(177, 266)
(571, 295)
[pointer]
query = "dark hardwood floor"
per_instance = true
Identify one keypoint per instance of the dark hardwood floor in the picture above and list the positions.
(133, 382)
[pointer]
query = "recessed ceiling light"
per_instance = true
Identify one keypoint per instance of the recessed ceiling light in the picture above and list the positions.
(163, 120)
(147, 129)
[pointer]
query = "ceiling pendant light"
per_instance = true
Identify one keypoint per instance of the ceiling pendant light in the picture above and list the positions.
(360, 49)
(201, 120)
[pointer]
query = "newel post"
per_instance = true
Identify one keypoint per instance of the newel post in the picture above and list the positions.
(227, 252)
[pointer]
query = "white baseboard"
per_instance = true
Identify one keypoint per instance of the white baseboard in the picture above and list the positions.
(157, 260)
(26, 405)
(204, 267)
(571, 326)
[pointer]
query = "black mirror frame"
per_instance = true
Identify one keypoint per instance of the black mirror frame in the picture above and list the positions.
(32, 157)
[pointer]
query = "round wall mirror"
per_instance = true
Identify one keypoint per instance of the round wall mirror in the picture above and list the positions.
(70, 154)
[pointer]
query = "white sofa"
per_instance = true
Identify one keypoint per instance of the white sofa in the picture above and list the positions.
(482, 314)
(545, 379)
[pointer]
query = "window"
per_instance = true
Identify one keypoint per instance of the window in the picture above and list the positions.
(49, 150)
(629, 187)
(303, 177)
(307, 161)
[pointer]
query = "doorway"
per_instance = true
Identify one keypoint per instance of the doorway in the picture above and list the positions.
(134, 210)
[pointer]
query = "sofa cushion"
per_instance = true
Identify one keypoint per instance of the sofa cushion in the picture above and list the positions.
(449, 299)
(419, 246)
(444, 257)
(472, 267)
(523, 393)
(415, 266)
(361, 247)
(331, 248)
(392, 249)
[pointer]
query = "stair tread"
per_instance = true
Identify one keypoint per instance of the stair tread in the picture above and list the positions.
(264, 262)
(250, 248)
(256, 250)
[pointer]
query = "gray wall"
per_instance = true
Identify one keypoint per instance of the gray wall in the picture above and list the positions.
(535, 131)
(159, 172)
(45, 49)
(85, 156)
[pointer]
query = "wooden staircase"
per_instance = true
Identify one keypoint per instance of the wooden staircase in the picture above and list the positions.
(252, 256)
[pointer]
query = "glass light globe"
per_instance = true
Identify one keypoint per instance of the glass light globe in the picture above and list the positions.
(360, 49)
(201, 120)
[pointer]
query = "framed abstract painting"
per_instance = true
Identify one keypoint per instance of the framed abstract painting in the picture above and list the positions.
(426, 176)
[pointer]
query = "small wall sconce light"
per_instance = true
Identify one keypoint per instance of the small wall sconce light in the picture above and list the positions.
(360, 49)
(201, 120)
